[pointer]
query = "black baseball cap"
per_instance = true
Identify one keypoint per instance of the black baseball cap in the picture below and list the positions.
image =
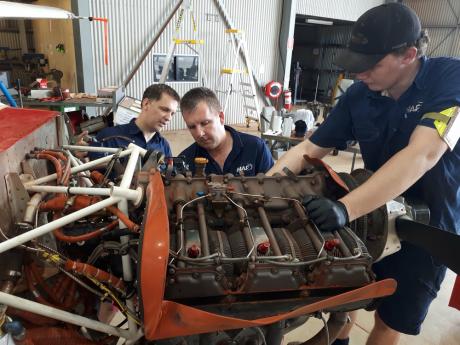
(378, 32)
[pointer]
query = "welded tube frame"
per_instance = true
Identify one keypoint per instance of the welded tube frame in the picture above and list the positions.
(75, 163)
(89, 165)
(58, 223)
(58, 314)
(128, 193)
(134, 152)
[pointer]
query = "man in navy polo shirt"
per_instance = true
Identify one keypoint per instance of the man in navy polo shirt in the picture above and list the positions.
(403, 112)
(227, 150)
(159, 104)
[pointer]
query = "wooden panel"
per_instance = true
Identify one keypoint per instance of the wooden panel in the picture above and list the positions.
(48, 33)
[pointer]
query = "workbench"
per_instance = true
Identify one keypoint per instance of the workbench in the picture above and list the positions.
(288, 142)
(68, 103)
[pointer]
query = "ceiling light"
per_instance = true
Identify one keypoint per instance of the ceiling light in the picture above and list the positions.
(318, 21)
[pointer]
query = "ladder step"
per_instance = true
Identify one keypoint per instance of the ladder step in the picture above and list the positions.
(184, 41)
(250, 107)
(246, 84)
(248, 95)
(231, 71)
(233, 31)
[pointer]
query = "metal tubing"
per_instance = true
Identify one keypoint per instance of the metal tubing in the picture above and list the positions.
(124, 240)
(130, 168)
(134, 195)
(343, 248)
(75, 163)
(90, 148)
(77, 169)
(31, 209)
(57, 314)
(70, 190)
(203, 229)
(246, 231)
(268, 229)
(314, 237)
(58, 223)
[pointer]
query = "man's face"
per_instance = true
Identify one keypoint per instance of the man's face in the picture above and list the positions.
(385, 74)
(206, 126)
(157, 113)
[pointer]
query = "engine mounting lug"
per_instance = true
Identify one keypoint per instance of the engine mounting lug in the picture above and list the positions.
(252, 266)
(274, 270)
(218, 277)
(171, 281)
(219, 269)
(172, 271)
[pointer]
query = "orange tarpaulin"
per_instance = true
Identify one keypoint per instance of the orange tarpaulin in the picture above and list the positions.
(17, 123)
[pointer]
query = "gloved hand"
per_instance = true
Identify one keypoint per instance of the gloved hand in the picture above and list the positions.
(327, 214)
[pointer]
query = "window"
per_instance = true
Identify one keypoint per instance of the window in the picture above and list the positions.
(183, 68)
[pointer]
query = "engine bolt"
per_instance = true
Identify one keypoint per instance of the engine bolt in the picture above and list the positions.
(195, 275)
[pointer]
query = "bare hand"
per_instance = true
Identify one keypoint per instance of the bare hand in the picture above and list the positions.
(82, 140)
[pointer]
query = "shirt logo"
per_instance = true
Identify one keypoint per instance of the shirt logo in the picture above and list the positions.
(414, 108)
(246, 167)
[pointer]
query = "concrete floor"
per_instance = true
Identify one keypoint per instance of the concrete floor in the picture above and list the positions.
(442, 325)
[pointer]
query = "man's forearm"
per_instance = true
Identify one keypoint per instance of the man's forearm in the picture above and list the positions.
(390, 181)
(293, 159)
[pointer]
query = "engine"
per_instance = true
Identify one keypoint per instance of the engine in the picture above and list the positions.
(177, 258)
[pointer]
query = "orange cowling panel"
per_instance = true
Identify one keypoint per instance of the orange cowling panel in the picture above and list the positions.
(180, 320)
(321, 163)
(154, 255)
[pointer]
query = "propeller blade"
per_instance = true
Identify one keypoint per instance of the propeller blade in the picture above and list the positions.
(443, 245)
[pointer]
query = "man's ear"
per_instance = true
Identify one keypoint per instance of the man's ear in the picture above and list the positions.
(221, 117)
(145, 102)
(410, 55)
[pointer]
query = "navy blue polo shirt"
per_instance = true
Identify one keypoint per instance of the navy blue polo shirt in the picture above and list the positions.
(250, 155)
(383, 126)
(123, 135)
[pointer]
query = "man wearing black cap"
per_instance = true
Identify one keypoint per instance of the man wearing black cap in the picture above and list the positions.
(403, 112)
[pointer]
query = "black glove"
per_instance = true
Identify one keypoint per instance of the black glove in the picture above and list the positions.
(327, 214)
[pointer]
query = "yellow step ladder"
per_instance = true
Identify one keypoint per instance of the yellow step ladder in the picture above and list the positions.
(186, 7)
(244, 84)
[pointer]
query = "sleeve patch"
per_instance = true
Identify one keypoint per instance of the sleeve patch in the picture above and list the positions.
(447, 123)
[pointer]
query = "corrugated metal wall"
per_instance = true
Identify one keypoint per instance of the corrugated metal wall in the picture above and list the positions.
(441, 19)
(133, 24)
(336, 9)
(9, 37)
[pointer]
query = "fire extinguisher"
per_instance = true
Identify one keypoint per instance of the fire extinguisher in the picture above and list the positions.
(287, 99)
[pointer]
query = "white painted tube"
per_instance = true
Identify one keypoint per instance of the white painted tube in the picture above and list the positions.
(71, 190)
(57, 314)
(90, 148)
(83, 167)
(41, 230)
(130, 168)
(75, 163)
(131, 194)
(31, 209)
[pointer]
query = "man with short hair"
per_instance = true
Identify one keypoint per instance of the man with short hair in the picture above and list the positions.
(227, 150)
(403, 112)
(159, 104)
